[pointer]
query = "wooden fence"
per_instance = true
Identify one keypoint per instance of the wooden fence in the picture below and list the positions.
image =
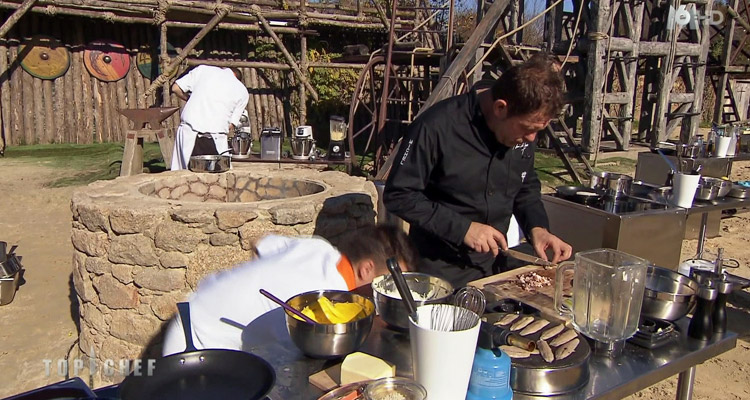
(79, 108)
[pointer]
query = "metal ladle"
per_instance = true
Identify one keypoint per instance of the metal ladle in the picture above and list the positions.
(287, 307)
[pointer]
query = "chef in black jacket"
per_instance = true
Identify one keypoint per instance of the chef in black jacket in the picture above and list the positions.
(467, 164)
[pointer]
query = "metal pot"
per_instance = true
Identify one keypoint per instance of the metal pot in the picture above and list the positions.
(430, 290)
(706, 192)
(598, 180)
(618, 185)
(211, 163)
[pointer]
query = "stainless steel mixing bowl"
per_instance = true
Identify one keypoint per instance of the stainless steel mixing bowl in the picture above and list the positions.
(329, 340)
(429, 290)
(669, 295)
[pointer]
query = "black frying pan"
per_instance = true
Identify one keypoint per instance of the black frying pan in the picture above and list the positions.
(201, 374)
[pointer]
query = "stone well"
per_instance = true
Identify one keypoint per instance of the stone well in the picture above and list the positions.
(143, 242)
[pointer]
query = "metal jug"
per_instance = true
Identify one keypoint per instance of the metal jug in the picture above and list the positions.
(608, 287)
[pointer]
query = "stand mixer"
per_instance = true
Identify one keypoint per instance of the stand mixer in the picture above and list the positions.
(303, 144)
(242, 141)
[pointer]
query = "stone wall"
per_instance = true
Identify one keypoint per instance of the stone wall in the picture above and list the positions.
(142, 243)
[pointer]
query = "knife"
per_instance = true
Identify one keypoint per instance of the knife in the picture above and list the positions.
(528, 258)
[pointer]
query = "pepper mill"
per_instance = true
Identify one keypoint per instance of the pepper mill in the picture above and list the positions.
(719, 315)
(701, 325)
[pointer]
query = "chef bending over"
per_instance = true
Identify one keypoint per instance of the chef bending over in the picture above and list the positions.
(285, 266)
(216, 98)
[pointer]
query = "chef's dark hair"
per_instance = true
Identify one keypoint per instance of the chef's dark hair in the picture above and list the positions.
(378, 243)
(237, 72)
(536, 85)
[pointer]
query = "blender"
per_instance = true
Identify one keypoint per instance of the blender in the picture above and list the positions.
(338, 136)
(608, 287)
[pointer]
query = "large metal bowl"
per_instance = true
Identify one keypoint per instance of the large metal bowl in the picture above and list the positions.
(329, 340)
(669, 295)
(210, 163)
(428, 289)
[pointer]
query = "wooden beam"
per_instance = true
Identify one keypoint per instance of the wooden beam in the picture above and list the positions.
(292, 62)
(725, 63)
(221, 12)
(691, 123)
(20, 11)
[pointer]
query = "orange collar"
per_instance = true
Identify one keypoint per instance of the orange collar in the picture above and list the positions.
(347, 272)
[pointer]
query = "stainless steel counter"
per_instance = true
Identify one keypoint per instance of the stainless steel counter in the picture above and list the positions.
(638, 368)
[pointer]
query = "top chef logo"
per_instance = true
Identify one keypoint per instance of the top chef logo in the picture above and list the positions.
(109, 368)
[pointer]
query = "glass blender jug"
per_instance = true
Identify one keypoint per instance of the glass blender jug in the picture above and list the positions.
(607, 289)
(338, 135)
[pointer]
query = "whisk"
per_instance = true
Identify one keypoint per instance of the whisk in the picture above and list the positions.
(471, 298)
(449, 317)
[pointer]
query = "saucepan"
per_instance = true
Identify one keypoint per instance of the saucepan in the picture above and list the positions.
(210, 163)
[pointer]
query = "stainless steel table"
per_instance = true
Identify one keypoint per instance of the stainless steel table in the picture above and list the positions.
(704, 207)
(637, 369)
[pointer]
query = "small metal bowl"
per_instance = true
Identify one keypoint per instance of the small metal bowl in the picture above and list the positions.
(430, 290)
(706, 192)
(669, 295)
(329, 340)
(723, 186)
(401, 388)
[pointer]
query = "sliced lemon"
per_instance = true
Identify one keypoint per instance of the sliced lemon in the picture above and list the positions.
(339, 313)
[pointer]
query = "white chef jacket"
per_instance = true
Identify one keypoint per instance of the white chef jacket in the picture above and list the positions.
(217, 98)
(285, 267)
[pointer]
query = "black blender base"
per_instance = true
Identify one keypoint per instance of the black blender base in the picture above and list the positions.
(654, 333)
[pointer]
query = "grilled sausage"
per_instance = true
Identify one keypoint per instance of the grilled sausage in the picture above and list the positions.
(552, 332)
(507, 319)
(564, 337)
(566, 349)
(545, 350)
(534, 327)
(515, 352)
(522, 323)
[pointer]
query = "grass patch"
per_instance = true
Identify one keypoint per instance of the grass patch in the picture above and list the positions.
(89, 162)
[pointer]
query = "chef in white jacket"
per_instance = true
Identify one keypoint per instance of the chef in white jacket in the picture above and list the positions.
(285, 267)
(216, 98)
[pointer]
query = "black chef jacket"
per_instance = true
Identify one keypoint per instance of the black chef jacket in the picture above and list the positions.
(449, 171)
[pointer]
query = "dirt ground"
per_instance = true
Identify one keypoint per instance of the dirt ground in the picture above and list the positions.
(40, 323)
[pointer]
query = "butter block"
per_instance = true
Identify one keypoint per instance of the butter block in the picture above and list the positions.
(358, 367)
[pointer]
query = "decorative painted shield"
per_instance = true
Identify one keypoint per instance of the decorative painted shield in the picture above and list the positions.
(147, 61)
(44, 57)
(106, 60)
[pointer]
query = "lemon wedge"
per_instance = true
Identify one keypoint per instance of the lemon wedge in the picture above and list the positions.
(339, 313)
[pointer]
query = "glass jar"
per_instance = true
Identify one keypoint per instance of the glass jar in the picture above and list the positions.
(395, 389)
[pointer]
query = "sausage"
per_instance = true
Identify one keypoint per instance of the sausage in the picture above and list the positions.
(507, 319)
(534, 327)
(514, 352)
(522, 323)
(545, 350)
(564, 337)
(552, 332)
(566, 349)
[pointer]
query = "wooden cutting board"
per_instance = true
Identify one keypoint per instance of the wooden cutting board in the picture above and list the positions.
(506, 286)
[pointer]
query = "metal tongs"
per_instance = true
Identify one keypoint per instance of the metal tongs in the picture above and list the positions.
(528, 258)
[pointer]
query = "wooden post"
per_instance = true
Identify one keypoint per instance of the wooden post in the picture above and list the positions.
(284, 51)
(725, 62)
(595, 76)
(5, 104)
(79, 133)
(631, 73)
(691, 122)
(20, 11)
(164, 77)
(303, 63)
(163, 60)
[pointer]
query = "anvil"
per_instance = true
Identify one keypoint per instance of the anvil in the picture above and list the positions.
(152, 116)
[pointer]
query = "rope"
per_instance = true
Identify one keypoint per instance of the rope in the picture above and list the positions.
(160, 14)
(50, 10)
(109, 17)
(575, 29)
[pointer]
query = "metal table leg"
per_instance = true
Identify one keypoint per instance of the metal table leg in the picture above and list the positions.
(702, 235)
(685, 383)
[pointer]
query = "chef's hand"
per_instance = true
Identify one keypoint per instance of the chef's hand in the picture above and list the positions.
(484, 238)
(543, 240)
